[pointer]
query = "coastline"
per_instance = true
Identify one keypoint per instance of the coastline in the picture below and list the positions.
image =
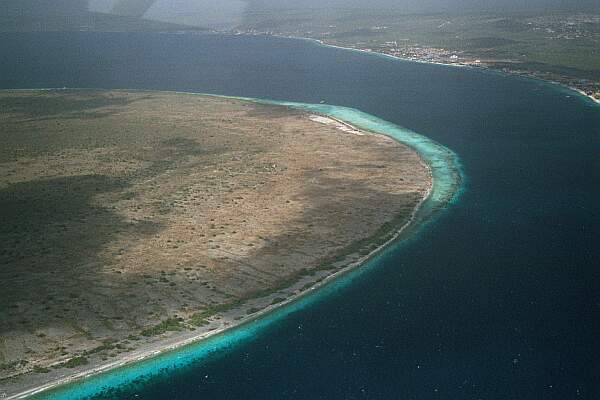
(294, 293)
(581, 92)
(595, 101)
(481, 68)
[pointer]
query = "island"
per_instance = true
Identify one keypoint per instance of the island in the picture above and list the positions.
(135, 221)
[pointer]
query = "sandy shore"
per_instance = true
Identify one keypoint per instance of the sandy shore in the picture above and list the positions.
(581, 92)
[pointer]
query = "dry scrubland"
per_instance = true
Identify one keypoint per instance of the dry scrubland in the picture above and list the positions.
(128, 217)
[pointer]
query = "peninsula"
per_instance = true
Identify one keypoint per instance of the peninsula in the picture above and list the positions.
(133, 221)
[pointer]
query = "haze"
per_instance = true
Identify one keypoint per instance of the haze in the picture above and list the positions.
(223, 14)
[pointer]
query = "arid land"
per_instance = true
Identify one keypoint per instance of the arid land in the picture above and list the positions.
(134, 221)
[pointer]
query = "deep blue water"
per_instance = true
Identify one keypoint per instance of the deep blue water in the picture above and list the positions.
(498, 299)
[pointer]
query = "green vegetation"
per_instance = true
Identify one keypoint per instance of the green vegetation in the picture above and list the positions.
(40, 370)
(107, 345)
(168, 325)
(218, 308)
(200, 318)
(252, 310)
(75, 362)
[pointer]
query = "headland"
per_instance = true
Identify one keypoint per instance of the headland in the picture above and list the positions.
(172, 217)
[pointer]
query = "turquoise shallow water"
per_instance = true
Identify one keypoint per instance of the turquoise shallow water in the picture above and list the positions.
(446, 172)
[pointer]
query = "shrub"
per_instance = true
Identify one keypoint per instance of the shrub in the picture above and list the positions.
(252, 310)
(75, 362)
(168, 325)
(199, 319)
(277, 300)
(40, 370)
